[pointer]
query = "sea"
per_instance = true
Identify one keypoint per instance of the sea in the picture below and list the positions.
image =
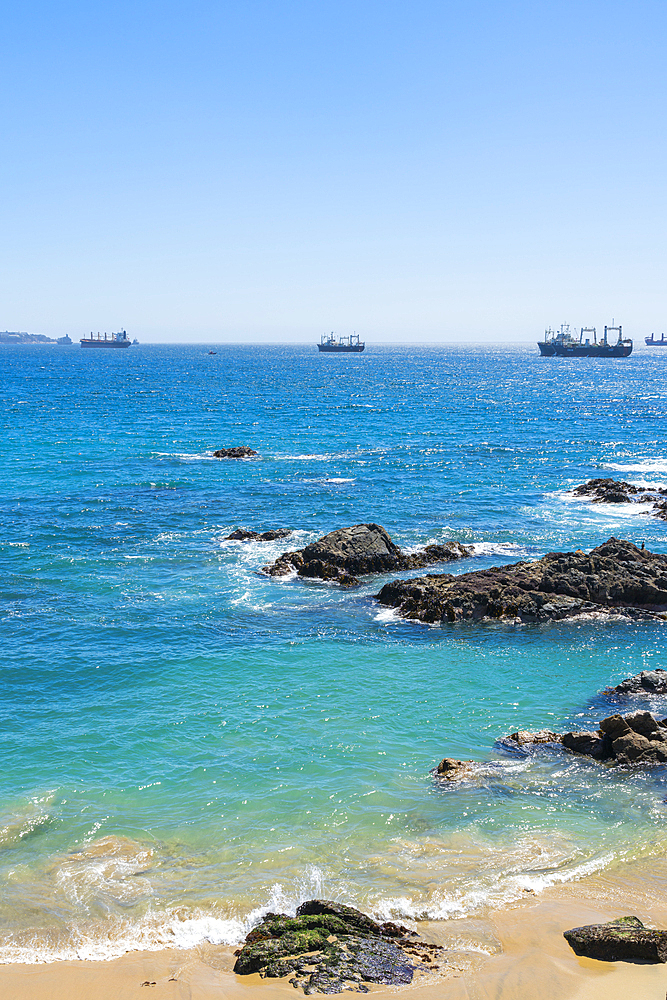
(187, 743)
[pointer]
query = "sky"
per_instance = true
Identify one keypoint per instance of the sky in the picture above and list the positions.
(269, 171)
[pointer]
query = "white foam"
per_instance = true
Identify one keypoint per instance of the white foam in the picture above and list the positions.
(388, 615)
(539, 882)
(658, 465)
(509, 549)
(339, 479)
(489, 892)
(181, 456)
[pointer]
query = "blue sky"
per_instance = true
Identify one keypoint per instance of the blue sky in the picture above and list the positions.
(268, 171)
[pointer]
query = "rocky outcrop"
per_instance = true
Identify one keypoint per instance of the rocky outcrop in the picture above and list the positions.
(347, 553)
(622, 940)
(247, 535)
(607, 491)
(240, 451)
(646, 682)
(328, 947)
(615, 575)
(618, 491)
(636, 738)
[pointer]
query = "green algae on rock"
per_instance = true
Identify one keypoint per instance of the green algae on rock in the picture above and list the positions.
(622, 940)
(329, 947)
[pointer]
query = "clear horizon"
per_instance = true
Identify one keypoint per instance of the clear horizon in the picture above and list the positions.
(263, 172)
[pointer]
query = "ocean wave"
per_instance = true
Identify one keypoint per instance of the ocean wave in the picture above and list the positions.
(509, 550)
(388, 615)
(109, 870)
(617, 510)
(175, 927)
(492, 890)
(184, 456)
(116, 936)
(650, 465)
(29, 818)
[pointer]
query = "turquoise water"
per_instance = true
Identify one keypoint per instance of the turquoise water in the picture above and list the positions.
(186, 742)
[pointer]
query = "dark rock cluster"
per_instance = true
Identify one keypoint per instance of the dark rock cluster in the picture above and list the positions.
(636, 738)
(247, 535)
(622, 940)
(328, 947)
(240, 451)
(646, 682)
(616, 575)
(618, 491)
(347, 553)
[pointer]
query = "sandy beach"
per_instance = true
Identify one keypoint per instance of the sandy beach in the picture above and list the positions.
(532, 962)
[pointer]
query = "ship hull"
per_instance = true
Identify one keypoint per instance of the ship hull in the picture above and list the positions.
(549, 350)
(113, 344)
(655, 343)
(341, 348)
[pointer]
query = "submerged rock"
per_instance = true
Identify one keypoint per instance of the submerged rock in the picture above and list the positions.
(646, 682)
(622, 940)
(240, 451)
(618, 491)
(247, 535)
(616, 575)
(347, 553)
(329, 947)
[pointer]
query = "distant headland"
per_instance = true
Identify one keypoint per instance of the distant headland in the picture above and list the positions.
(25, 338)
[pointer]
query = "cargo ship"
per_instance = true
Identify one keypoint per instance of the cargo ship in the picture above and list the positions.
(652, 342)
(340, 345)
(114, 340)
(567, 345)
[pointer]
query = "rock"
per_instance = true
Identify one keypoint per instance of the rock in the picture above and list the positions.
(329, 947)
(246, 535)
(455, 770)
(241, 451)
(644, 724)
(607, 491)
(615, 575)
(590, 744)
(522, 737)
(618, 491)
(347, 553)
(622, 940)
(614, 726)
(636, 749)
(648, 681)
(636, 738)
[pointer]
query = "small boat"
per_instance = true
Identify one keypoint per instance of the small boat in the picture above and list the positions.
(331, 344)
(652, 342)
(212, 352)
(564, 344)
(115, 340)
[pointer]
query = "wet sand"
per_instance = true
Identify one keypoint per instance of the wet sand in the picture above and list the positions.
(532, 960)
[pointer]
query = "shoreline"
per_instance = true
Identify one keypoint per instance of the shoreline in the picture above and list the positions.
(532, 960)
